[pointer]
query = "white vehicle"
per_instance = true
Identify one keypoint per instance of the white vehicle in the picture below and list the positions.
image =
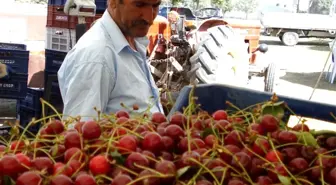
(289, 27)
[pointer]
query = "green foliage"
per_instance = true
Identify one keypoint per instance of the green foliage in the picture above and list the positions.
(175, 2)
(247, 6)
(33, 1)
(226, 5)
(320, 6)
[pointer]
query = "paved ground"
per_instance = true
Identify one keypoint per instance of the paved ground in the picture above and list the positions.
(304, 63)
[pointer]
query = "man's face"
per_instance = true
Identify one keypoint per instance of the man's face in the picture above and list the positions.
(136, 16)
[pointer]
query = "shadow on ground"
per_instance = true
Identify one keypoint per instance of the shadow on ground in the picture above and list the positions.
(309, 79)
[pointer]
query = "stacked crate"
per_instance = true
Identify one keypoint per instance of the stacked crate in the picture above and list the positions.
(30, 108)
(60, 38)
(14, 60)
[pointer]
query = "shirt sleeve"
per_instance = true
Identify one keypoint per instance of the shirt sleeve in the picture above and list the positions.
(88, 86)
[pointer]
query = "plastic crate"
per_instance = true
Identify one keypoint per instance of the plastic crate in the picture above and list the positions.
(16, 60)
(57, 18)
(213, 97)
(58, 39)
(54, 82)
(52, 94)
(32, 100)
(12, 46)
(26, 115)
(9, 108)
(56, 2)
(14, 87)
(100, 5)
(54, 60)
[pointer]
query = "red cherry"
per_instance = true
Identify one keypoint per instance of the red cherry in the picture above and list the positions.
(61, 180)
(178, 119)
(272, 156)
(24, 161)
(138, 159)
(99, 165)
(127, 144)
(301, 128)
(269, 123)
(121, 179)
(91, 130)
(72, 139)
(158, 117)
(220, 115)
(54, 127)
(85, 179)
(152, 142)
(10, 165)
(261, 146)
(73, 154)
(60, 168)
(43, 163)
(29, 178)
(122, 113)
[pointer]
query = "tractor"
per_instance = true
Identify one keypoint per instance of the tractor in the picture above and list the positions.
(214, 51)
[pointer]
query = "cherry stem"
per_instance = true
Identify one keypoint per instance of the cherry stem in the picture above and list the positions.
(193, 179)
(276, 154)
(39, 149)
(333, 115)
(321, 168)
(205, 168)
(305, 181)
(104, 177)
(128, 170)
(147, 176)
(52, 107)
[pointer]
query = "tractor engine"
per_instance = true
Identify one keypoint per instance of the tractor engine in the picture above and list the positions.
(170, 60)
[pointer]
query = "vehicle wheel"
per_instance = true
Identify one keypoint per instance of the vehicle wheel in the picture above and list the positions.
(280, 37)
(290, 38)
(270, 77)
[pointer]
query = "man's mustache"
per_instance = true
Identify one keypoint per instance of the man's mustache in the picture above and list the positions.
(140, 23)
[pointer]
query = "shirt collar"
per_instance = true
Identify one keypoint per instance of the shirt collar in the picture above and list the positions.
(118, 39)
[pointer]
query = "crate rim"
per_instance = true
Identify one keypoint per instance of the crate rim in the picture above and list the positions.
(288, 100)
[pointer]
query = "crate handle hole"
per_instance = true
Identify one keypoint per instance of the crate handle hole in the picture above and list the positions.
(59, 32)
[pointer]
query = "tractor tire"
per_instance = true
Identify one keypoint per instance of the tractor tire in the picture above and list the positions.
(270, 78)
(215, 56)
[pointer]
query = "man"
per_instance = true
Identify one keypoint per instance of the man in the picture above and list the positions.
(108, 65)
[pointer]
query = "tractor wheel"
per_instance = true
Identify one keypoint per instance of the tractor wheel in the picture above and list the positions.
(270, 77)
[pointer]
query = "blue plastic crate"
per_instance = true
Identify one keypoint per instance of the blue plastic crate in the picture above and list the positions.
(12, 46)
(32, 100)
(26, 116)
(55, 86)
(14, 87)
(54, 60)
(16, 60)
(56, 2)
(213, 97)
(100, 5)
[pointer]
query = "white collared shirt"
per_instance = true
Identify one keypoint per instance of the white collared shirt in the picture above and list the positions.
(102, 71)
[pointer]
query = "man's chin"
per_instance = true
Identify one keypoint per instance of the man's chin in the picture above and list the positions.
(141, 33)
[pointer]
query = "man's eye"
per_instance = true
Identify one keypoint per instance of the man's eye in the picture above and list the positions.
(139, 4)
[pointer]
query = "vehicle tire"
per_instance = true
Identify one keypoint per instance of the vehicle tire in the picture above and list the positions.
(280, 37)
(290, 38)
(217, 64)
(270, 77)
